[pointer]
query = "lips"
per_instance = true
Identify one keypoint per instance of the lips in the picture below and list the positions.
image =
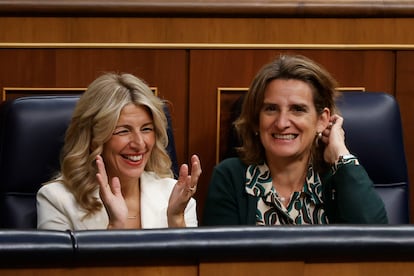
(133, 158)
(284, 136)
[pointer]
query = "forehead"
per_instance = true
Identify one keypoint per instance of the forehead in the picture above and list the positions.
(288, 90)
(134, 112)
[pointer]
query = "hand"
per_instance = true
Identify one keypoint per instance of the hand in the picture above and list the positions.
(111, 197)
(334, 138)
(182, 192)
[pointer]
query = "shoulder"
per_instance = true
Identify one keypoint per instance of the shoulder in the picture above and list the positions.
(228, 173)
(55, 193)
(232, 166)
(53, 201)
(56, 188)
(232, 163)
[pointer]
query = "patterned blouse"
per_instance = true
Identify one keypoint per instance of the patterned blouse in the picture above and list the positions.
(305, 207)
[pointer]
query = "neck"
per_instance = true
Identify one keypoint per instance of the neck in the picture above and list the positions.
(288, 177)
(133, 201)
(129, 186)
(288, 173)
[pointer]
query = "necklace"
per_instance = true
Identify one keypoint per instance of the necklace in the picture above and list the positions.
(132, 217)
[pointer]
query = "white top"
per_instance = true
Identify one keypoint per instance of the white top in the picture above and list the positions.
(57, 208)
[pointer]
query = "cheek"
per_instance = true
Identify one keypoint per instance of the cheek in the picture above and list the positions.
(265, 122)
(106, 151)
(115, 144)
(309, 126)
(150, 140)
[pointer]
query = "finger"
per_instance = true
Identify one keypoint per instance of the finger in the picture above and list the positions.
(195, 158)
(116, 186)
(104, 188)
(101, 175)
(326, 132)
(100, 164)
(337, 121)
(195, 165)
(195, 171)
(191, 182)
(183, 174)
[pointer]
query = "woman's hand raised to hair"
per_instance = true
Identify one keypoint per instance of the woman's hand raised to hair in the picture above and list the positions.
(334, 138)
(111, 197)
(182, 192)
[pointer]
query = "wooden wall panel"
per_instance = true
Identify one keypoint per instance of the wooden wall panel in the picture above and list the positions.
(195, 87)
(405, 97)
(224, 8)
(359, 269)
(158, 269)
(306, 268)
(246, 268)
(164, 69)
(212, 69)
(188, 50)
(270, 30)
(232, 268)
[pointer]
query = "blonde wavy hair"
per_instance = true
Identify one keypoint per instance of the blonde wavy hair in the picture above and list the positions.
(296, 67)
(93, 122)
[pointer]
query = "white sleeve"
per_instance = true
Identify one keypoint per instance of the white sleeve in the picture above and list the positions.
(50, 210)
(190, 215)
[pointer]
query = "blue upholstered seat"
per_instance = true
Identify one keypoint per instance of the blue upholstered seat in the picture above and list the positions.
(374, 133)
(32, 132)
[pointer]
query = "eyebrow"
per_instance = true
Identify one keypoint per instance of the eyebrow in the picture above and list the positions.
(127, 125)
(301, 105)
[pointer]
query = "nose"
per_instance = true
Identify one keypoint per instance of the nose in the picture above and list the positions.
(282, 120)
(137, 140)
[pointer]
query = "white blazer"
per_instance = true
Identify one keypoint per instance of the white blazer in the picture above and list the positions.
(57, 208)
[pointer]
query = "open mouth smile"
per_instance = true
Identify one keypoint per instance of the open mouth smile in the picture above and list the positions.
(285, 136)
(133, 158)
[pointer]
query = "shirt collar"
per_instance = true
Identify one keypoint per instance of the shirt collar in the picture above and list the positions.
(259, 182)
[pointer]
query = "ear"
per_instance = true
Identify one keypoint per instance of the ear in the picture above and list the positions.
(323, 120)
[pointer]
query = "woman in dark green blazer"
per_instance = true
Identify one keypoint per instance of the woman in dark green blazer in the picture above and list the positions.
(293, 165)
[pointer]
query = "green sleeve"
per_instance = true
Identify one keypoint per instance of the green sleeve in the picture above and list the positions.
(351, 197)
(226, 202)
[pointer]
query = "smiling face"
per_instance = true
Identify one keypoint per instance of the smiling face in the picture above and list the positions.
(128, 150)
(288, 120)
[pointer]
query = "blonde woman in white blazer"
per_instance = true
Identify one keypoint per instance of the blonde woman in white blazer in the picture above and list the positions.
(115, 171)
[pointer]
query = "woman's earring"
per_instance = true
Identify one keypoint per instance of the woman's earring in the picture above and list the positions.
(318, 137)
(256, 133)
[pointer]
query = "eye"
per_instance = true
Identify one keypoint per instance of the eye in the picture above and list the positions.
(299, 108)
(148, 128)
(121, 131)
(269, 107)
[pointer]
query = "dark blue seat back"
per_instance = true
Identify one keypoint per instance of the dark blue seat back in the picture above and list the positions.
(373, 131)
(32, 132)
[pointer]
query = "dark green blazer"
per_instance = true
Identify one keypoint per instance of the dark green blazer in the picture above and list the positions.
(348, 196)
